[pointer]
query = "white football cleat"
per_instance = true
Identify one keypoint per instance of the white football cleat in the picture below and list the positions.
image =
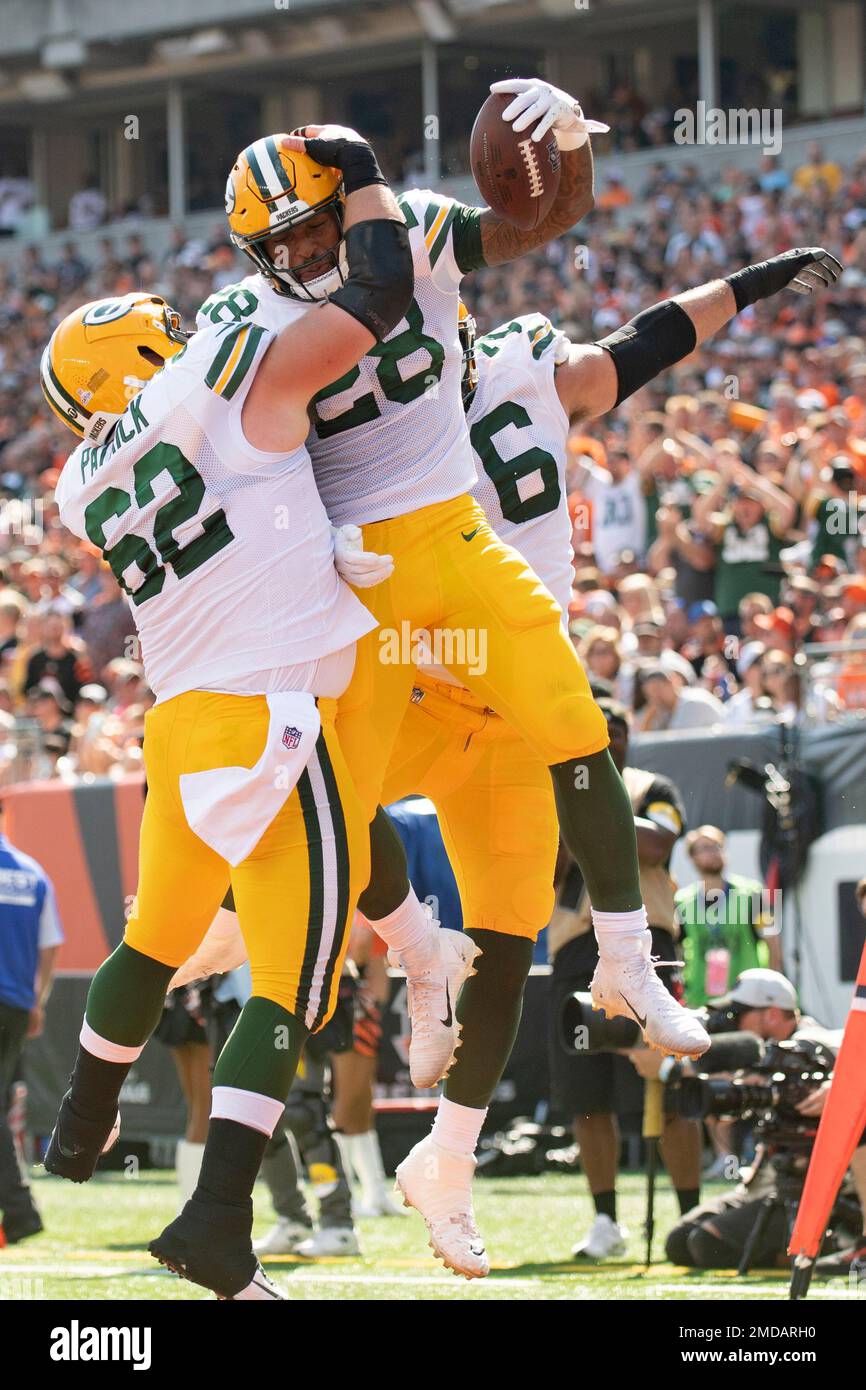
(432, 997)
(283, 1238)
(330, 1240)
(625, 984)
(438, 1184)
(606, 1240)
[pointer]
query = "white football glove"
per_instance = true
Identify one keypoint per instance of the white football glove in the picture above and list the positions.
(361, 568)
(536, 100)
(221, 949)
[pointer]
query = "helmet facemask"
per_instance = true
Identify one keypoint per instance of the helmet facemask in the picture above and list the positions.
(332, 265)
(466, 334)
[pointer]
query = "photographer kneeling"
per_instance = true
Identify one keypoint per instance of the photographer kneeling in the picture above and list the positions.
(767, 1036)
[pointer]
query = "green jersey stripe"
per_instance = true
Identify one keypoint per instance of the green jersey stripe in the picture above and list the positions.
(411, 219)
(214, 371)
(538, 348)
(431, 212)
(442, 238)
(255, 336)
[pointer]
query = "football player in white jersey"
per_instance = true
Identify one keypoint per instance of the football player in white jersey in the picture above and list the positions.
(524, 386)
(193, 479)
(391, 452)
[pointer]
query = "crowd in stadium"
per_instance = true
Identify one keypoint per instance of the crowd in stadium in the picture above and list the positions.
(719, 515)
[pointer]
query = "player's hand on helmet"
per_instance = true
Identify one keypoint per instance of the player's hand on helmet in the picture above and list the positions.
(361, 568)
(539, 104)
(810, 268)
(338, 147)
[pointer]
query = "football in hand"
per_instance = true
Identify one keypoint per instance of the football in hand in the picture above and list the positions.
(517, 177)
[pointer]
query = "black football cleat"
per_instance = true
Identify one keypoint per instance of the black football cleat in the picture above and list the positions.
(76, 1145)
(17, 1228)
(209, 1244)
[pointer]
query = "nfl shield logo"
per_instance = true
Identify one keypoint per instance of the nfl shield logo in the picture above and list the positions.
(291, 737)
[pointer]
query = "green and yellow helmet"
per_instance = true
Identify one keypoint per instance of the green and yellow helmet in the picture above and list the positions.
(271, 190)
(103, 354)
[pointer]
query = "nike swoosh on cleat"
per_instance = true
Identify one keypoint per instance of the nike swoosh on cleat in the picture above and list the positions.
(471, 536)
(634, 1012)
(447, 1020)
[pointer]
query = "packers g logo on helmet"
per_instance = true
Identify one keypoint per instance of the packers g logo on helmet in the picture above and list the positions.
(271, 190)
(102, 354)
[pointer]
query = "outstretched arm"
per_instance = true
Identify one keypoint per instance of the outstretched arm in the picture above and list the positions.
(598, 376)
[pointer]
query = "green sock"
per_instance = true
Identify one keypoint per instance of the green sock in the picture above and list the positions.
(597, 824)
(126, 996)
(389, 872)
(489, 1009)
(262, 1051)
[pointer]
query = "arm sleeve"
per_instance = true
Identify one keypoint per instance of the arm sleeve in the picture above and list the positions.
(466, 237)
(50, 930)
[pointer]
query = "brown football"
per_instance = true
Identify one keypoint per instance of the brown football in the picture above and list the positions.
(517, 177)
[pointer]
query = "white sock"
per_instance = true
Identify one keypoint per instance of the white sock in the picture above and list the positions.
(619, 928)
(187, 1166)
(249, 1108)
(457, 1127)
(411, 933)
(366, 1160)
(107, 1051)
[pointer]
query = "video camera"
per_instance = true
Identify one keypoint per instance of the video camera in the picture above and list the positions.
(792, 1069)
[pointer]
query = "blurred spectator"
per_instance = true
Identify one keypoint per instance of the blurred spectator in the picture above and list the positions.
(723, 918)
(60, 655)
(670, 706)
(87, 207)
(817, 170)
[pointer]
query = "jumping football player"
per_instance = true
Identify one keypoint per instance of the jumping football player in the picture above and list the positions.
(391, 452)
(200, 494)
(524, 386)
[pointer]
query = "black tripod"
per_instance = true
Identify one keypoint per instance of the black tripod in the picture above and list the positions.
(785, 1198)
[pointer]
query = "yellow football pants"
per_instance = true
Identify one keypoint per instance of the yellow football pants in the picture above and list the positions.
(494, 800)
(493, 624)
(295, 893)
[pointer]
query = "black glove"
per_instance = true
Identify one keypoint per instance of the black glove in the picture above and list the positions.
(354, 158)
(805, 269)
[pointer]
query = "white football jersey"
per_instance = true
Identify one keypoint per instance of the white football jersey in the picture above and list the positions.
(390, 436)
(223, 550)
(518, 430)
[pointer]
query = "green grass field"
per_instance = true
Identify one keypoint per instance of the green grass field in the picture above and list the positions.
(94, 1244)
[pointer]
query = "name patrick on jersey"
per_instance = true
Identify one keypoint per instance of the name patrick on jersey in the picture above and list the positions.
(132, 423)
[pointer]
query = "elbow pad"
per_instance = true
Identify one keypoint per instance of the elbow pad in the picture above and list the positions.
(381, 279)
(654, 339)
